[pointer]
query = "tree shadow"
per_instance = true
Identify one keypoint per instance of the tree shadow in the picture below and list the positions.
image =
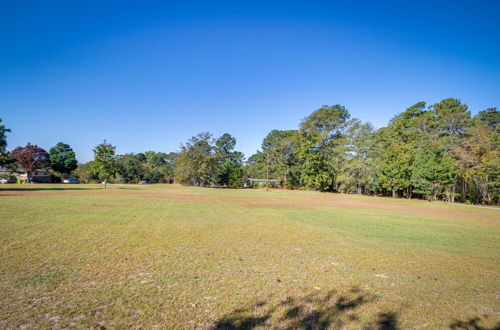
(472, 324)
(312, 311)
(45, 188)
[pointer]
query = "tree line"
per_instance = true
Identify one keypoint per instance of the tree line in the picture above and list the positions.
(149, 166)
(433, 152)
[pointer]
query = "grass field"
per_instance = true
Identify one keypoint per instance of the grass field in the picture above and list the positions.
(167, 256)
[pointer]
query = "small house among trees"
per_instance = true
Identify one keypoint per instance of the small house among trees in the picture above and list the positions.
(39, 175)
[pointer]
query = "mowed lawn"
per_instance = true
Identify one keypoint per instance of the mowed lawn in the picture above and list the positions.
(167, 256)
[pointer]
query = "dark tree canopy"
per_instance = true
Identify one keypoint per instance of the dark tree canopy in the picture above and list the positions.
(491, 117)
(5, 158)
(225, 144)
(151, 166)
(278, 148)
(326, 121)
(62, 158)
(30, 158)
(452, 117)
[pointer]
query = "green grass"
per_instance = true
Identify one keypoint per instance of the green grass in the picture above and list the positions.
(168, 256)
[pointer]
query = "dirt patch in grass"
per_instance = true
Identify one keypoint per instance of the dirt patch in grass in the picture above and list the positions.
(305, 200)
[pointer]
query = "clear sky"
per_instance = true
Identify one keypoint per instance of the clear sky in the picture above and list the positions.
(147, 75)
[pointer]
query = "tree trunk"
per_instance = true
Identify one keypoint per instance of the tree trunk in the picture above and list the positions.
(484, 192)
(267, 172)
(464, 191)
(394, 194)
(28, 180)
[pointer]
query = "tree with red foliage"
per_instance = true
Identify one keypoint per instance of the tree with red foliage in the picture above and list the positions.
(30, 157)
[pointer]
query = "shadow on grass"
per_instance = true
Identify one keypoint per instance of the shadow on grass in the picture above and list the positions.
(472, 324)
(34, 188)
(313, 311)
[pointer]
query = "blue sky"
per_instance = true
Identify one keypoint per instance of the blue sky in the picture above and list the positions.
(147, 75)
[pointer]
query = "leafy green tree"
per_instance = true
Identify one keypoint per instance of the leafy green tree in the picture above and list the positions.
(478, 161)
(229, 162)
(397, 145)
(357, 175)
(104, 163)
(230, 174)
(170, 161)
(129, 167)
(326, 122)
(6, 161)
(279, 147)
(433, 172)
(414, 126)
(395, 168)
(490, 117)
(62, 159)
(320, 147)
(196, 164)
(205, 161)
(154, 166)
(314, 164)
(256, 165)
(224, 145)
(83, 173)
(452, 120)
